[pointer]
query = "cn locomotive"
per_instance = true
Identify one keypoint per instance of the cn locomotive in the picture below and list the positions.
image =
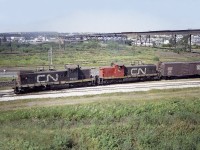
(75, 76)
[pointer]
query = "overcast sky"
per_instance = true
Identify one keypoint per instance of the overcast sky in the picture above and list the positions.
(98, 15)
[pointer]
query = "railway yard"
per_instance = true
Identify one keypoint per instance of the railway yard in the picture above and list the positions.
(97, 109)
(99, 75)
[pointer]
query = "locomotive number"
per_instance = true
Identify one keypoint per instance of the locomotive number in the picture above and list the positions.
(135, 71)
(46, 78)
(72, 79)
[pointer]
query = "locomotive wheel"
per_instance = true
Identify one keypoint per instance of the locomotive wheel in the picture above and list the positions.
(16, 91)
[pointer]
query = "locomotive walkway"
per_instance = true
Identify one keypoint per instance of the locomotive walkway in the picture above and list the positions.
(8, 95)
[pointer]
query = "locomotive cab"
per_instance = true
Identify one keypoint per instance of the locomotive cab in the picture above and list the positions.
(114, 71)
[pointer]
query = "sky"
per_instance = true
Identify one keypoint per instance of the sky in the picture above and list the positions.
(102, 16)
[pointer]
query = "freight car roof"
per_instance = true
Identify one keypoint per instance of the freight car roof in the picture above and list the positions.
(179, 62)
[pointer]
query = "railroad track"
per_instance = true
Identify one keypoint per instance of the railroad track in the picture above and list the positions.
(7, 84)
(9, 95)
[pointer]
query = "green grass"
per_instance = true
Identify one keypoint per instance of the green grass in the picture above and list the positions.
(92, 54)
(141, 120)
(5, 79)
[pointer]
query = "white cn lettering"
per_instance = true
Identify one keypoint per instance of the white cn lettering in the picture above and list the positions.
(38, 78)
(133, 71)
(54, 79)
(142, 71)
(136, 71)
(47, 79)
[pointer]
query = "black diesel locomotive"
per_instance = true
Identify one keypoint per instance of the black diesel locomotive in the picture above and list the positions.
(75, 76)
(72, 76)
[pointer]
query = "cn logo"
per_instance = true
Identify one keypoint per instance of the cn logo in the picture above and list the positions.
(46, 78)
(137, 71)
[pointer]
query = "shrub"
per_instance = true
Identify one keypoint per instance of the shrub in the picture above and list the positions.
(156, 58)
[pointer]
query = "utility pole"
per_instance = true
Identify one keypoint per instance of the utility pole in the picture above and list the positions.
(50, 55)
(64, 45)
(190, 43)
(10, 44)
